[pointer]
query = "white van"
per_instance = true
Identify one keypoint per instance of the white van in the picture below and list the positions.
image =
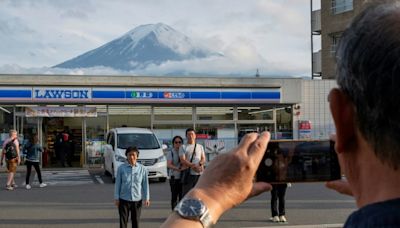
(150, 152)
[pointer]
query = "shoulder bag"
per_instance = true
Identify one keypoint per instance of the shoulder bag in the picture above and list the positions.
(186, 173)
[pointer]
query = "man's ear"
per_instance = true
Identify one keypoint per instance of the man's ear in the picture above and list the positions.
(343, 114)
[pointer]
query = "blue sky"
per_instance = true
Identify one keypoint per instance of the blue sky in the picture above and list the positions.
(270, 35)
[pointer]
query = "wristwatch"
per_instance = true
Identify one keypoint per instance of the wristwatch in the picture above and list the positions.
(194, 209)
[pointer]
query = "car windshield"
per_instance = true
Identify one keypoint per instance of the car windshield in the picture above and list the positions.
(141, 141)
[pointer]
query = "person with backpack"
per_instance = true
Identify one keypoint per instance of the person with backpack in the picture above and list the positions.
(11, 153)
(32, 159)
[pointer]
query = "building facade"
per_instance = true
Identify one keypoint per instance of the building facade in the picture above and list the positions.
(335, 15)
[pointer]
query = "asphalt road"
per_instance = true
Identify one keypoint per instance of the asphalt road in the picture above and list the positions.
(81, 198)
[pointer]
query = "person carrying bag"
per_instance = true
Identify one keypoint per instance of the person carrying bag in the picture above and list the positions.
(195, 165)
(185, 174)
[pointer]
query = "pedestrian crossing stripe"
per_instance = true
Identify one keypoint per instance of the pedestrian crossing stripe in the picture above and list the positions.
(64, 177)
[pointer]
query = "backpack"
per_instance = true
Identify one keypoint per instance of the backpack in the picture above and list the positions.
(65, 137)
(11, 150)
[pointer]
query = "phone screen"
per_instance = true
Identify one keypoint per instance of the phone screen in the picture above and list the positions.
(299, 161)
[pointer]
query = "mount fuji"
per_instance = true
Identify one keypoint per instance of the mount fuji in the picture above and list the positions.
(140, 47)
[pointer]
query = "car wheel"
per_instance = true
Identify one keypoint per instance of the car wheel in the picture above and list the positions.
(162, 179)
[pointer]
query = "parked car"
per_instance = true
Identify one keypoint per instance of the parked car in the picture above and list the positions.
(150, 151)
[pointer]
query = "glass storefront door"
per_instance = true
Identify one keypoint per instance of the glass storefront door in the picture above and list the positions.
(27, 127)
(96, 128)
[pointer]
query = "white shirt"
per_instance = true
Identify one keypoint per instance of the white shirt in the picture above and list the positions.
(187, 150)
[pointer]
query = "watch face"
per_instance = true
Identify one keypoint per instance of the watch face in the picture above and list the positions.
(191, 208)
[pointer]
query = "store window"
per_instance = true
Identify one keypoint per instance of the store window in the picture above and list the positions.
(284, 123)
(95, 135)
(255, 113)
(165, 132)
(26, 127)
(6, 121)
(341, 6)
(129, 116)
(214, 113)
(245, 128)
(12, 117)
(173, 113)
(216, 138)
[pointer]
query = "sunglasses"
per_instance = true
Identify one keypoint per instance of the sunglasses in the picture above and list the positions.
(178, 142)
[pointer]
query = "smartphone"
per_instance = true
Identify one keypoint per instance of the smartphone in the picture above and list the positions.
(299, 161)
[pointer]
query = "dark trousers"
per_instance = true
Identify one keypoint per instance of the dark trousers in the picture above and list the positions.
(70, 154)
(29, 165)
(278, 193)
(134, 207)
(65, 154)
(192, 181)
(176, 191)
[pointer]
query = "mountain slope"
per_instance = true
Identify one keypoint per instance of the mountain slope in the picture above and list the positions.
(144, 45)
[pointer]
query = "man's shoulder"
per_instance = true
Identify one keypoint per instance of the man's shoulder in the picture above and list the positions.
(141, 167)
(123, 166)
(9, 140)
(379, 214)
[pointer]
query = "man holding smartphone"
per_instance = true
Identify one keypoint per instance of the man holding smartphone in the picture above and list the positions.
(366, 113)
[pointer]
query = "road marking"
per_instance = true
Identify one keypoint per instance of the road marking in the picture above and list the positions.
(302, 226)
(65, 177)
(98, 178)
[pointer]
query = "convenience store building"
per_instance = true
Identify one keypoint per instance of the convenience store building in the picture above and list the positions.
(220, 109)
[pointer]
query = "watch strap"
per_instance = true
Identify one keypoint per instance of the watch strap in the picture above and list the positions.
(206, 220)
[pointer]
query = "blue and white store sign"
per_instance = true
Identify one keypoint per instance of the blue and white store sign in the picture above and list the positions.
(62, 94)
(138, 95)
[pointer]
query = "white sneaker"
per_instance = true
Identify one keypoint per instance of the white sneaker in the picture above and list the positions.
(274, 219)
(28, 186)
(42, 185)
(282, 218)
(9, 187)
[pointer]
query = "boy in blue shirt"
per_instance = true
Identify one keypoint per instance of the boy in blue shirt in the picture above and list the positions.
(131, 187)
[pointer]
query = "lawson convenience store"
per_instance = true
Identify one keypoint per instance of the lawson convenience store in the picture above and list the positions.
(221, 110)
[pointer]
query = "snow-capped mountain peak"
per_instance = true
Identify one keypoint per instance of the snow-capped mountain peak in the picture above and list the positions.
(165, 35)
(144, 45)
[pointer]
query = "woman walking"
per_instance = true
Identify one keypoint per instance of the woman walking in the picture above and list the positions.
(32, 159)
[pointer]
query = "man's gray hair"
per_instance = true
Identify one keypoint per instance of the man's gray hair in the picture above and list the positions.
(368, 72)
